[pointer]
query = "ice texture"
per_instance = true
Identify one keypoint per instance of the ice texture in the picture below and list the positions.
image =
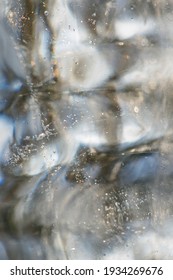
(86, 113)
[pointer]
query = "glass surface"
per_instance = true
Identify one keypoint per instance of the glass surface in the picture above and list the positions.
(86, 113)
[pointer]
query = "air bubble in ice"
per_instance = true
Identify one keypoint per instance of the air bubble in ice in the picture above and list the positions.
(46, 13)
